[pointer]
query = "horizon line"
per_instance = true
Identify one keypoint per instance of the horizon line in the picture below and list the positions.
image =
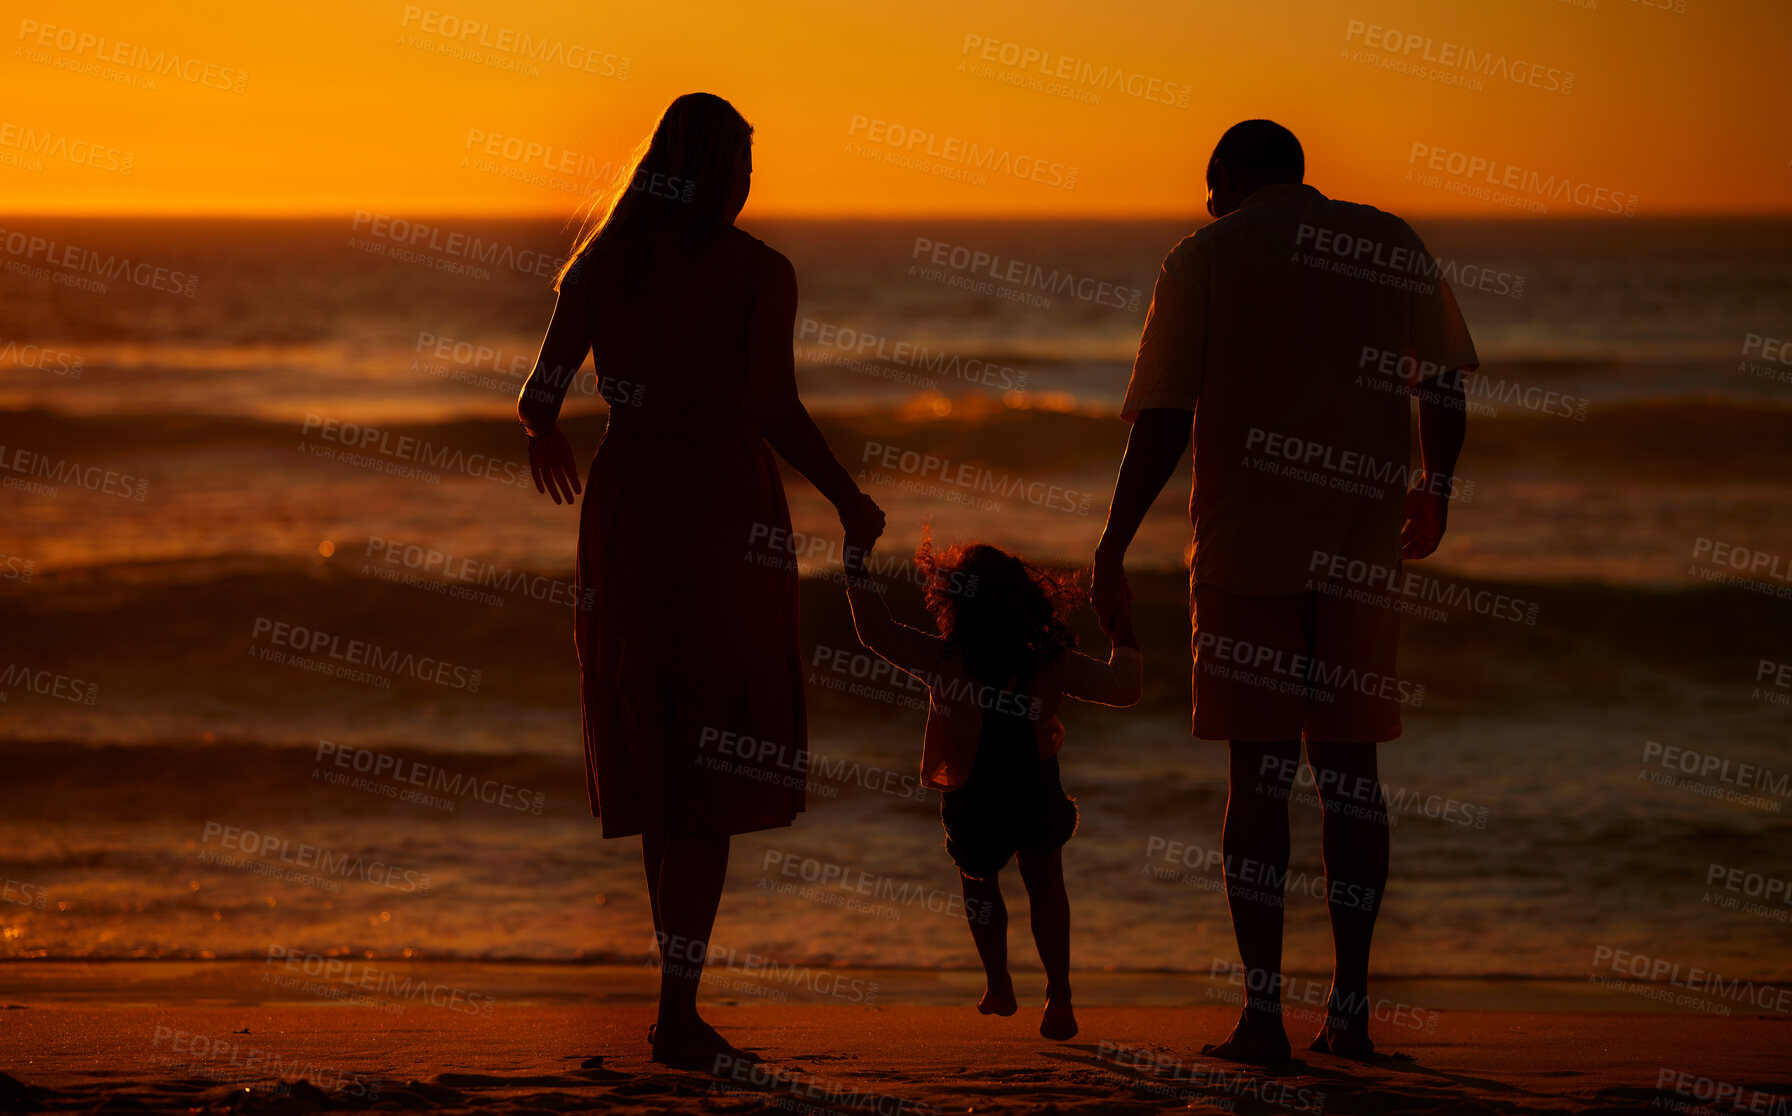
(574, 215)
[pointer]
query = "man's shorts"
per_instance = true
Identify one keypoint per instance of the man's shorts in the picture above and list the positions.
(1316, 666)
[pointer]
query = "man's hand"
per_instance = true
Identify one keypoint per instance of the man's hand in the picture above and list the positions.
(1426, 513)
(555, 469)
(862, 520)
(1108, 590)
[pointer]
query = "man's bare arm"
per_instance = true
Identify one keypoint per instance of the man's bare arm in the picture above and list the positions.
(1158, 439)
(1443, 425)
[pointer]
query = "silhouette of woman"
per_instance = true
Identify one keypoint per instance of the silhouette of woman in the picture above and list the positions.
(687, 625)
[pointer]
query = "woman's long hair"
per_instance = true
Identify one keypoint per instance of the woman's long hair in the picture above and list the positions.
(675, 192)
(1005, 616)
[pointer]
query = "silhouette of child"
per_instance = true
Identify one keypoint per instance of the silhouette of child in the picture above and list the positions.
(1003, 662)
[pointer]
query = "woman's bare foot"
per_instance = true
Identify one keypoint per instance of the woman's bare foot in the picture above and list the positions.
(998, 999)
(693, 1042)
(1255, 1039)
(1059, 1022)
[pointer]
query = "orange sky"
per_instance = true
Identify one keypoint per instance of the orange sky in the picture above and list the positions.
(355, 105)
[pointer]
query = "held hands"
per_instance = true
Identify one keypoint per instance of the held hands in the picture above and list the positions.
(553, 466)
(1109, 591)
(1426, 512)
(864, 524)
(1116, 622)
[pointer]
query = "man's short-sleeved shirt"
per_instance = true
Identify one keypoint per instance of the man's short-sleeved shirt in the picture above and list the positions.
(1296, 328)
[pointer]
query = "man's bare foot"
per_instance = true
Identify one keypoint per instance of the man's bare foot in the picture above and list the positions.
(693, 1042)
(1059, 1022)
(998, 999)
(1346, 1030)
(1344, 1042)
(1254, 1039)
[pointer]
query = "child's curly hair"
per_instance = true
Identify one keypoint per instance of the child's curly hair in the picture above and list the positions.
(1005, 615)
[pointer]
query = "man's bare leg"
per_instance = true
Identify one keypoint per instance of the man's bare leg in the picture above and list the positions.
(1259, 777)
(1354, 843)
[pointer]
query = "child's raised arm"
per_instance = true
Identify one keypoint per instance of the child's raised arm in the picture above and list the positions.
(1120, 680)
(909, 648)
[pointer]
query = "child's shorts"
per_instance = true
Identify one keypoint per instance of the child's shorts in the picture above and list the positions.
(986, 824)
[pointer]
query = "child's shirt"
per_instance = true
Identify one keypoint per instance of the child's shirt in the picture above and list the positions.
(956, 701)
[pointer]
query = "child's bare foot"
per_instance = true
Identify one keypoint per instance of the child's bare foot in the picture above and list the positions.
(1059, 1022)
(693, 1042)
(998, 999)
(1255, 1039)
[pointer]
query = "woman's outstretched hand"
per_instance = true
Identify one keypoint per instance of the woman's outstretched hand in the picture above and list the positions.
(862, 519)
(553, 466)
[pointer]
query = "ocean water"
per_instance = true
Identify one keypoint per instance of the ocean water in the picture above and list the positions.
(1631, 455)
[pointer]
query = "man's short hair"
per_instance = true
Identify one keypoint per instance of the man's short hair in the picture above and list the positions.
(1261, 152)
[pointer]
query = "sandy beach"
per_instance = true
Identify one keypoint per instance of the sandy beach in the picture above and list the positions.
(192, 1038)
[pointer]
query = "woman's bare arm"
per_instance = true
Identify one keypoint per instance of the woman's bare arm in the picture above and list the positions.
(551, 460)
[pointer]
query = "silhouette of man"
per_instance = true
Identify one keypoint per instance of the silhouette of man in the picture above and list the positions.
(1290, 333)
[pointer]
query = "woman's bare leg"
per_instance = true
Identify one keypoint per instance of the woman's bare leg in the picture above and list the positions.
(693, 868)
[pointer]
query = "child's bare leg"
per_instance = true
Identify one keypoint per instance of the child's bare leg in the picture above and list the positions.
(988, 919)
(1043, 873)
